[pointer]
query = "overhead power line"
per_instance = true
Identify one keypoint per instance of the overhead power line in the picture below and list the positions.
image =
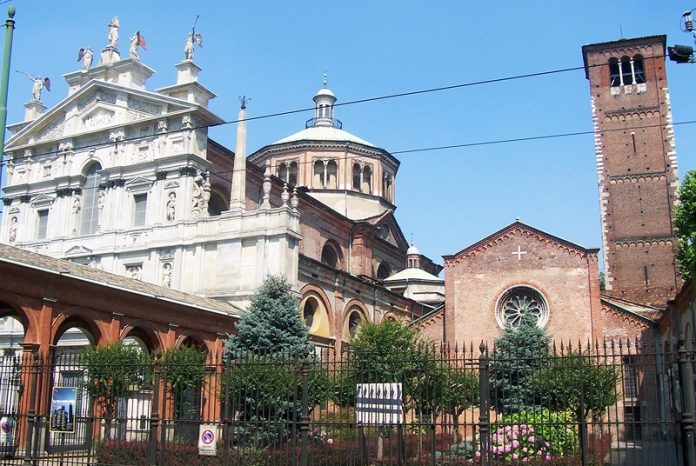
(355, 102)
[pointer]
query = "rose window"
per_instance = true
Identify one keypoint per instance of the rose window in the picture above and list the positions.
(518, 302)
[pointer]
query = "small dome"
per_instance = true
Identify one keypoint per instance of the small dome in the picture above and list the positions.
(412, 250)
(324, 91)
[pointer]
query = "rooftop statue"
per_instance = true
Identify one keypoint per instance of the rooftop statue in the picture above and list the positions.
(86, 56)
(114, 26)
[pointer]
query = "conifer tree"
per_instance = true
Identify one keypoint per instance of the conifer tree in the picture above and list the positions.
(518, 353)
(272, 324)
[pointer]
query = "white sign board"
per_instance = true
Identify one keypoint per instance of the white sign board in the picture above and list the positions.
(379, 404)
(207, 438)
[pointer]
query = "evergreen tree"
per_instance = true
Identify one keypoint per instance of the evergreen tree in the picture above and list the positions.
(272, 324)
(685, 226)
(518, 353)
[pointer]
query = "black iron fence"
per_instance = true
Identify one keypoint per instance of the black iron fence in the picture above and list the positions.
(617, 403)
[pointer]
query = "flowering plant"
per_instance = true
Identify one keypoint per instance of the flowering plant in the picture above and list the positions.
(518, 442)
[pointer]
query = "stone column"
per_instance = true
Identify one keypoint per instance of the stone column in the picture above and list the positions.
(238, 188)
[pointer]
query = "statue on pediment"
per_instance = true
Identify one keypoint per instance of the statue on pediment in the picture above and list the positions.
(136, 40)
(112, 37)
(194, 38)
(38, 84)
(85, 56)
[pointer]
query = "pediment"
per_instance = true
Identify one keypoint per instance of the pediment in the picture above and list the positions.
(97, 104)
(138, 183)
(78, 251)
(509, 234)
(97, 116)
(388, 229)
(42, 200)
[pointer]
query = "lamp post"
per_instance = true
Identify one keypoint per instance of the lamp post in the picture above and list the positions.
(4, 84)
(684, 53)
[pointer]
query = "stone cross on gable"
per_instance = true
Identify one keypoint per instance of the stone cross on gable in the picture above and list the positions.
(519, 253)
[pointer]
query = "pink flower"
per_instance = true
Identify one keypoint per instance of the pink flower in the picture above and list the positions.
(515, 444)
(532, 438)
(329, 441)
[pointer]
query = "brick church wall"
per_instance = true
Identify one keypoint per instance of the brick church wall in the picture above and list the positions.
(476, 278)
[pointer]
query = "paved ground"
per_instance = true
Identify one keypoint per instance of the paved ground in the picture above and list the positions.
(642, 453)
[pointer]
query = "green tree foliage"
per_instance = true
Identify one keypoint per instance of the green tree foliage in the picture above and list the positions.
(265, 393)
(518, 353)
(390, 352)
(379, 353)
(272, 324)
(114, 370)
(460, 392)
(183, 367)
(576, 382)
(685, 226)
(267, 361)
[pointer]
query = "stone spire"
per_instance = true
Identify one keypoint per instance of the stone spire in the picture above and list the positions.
(237, 199)
(323, 105)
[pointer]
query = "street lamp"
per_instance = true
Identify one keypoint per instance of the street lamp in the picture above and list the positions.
(684, 53)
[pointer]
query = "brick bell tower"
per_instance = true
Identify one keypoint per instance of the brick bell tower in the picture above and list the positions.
(636, 166)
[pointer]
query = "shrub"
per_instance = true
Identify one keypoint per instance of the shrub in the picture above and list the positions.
(557, 428)
(518, 442)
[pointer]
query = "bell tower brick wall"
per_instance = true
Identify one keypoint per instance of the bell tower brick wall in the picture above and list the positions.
(636, 166)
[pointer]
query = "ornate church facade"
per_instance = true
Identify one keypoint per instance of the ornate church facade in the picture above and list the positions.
(125, 181)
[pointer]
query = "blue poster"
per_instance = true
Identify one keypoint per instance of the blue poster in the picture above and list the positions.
(63, 409)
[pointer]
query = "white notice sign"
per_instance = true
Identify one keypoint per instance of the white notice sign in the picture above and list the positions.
(207, 438)
(379, 404)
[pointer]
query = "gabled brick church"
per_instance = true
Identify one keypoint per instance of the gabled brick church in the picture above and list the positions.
(520, 269)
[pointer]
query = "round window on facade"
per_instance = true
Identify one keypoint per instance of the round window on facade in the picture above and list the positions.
(519, 301)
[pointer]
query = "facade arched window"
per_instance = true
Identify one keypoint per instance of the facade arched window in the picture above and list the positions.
(325, 174)
(315, 316)
(387, 183)
(352, 323)
(366, 180)
(329, 255)
(90, 200)
(626, 73)
(356, 176)
(614, 72)
(217, 204)
(318, 181)
(331, 175)
(288, 172)
(292, 173)
(638, 69)
(383, 271)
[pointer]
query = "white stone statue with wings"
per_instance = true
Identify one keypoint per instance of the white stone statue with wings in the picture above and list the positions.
(194, 38)
(85, 56)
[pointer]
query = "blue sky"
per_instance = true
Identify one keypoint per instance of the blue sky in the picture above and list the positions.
(276, 53)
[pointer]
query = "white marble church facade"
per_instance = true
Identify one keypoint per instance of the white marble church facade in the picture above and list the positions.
(125, 180)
